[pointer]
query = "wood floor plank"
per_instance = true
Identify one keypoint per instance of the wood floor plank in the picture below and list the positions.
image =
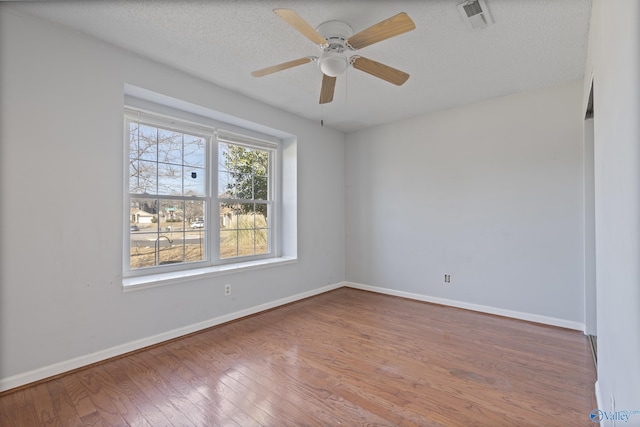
(174, 406)
(43, 405)
(187, 383)
(128, 409)
(119, 380)
(64, 412)
(282, 380)
(204, 366)
(344, 357)
(20, 411)
(79, 396)
(113, 406)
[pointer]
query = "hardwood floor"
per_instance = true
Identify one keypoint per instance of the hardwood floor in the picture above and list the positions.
(347, 357)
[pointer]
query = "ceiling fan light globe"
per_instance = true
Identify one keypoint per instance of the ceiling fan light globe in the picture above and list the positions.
(333, 65)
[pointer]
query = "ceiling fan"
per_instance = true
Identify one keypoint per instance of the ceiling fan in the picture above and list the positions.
(336, 39)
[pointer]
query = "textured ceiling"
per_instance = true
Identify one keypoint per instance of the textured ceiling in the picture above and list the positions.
(532, 44)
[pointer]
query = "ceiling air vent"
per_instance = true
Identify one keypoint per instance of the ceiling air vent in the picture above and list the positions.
(475, 12)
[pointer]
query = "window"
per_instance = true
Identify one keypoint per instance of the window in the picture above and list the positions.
(244, 200)
(197, 195)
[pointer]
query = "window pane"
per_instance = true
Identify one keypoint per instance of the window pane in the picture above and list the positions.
(244, 230)
(133, 140)
(234, 185)
(143, 177)
(143, 232)
(228, 244)
(169, 147)
(171, 215)
(245, 217)
(169, 245)
(194, 151)
(246, 242)
(261, 215)
(236, 159)
(226, 216)
(238, 168)
(194, 212)
(223, 156)
(261, 163)
(194, 182)
(169, 179)
(262, 241)
(262, 229)
(195, 245)
(262, 211)
(226, 185)
(166, 232)
(228, 230)
(144, 213)
(143, 250)
(171, 234)
(243, 185)
(147, 143)
(260, 187)
(195, 231)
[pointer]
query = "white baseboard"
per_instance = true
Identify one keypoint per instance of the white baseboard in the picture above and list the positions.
(78, 362)
(475, 307)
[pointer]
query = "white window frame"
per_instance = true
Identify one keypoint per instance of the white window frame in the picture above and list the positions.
(215, 132)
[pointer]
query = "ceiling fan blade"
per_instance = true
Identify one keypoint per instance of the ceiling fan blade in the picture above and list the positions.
(391, 27)
(301, 25)
(283, 66)
(379, 70)
(328, 87)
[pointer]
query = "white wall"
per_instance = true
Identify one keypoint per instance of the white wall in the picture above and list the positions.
(489, 193)
(614, 61)
(62, 204)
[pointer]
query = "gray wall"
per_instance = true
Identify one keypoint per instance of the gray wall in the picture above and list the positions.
(489, 193)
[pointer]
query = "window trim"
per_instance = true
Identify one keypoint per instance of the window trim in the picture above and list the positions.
(214, 132)
(134, 283)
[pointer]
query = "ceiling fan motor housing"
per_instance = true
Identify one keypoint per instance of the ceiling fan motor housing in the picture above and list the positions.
(333, 61)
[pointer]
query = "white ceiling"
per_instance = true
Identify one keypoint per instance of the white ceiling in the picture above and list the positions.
(532, 44)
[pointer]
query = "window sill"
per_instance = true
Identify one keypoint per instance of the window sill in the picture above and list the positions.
(152, 280)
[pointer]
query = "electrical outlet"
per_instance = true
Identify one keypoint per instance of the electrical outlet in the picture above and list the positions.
(227, 290)
(447, 278)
